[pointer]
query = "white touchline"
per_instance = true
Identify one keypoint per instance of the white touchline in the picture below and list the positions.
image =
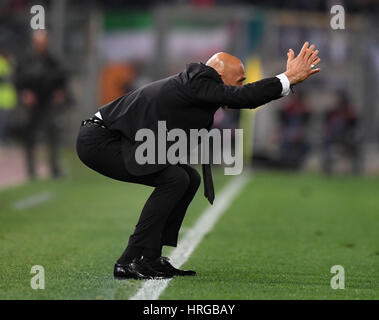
(152, 289)
(32, 201)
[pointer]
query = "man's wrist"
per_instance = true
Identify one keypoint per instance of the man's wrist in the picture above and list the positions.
(291, 78)
(285, 84)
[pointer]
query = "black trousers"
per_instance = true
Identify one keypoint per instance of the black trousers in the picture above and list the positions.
(163, 212)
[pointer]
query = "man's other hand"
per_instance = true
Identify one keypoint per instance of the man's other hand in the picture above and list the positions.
(301, 67)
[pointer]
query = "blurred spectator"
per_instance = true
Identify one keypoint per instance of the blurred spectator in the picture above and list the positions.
(41, 82)
(8, 95)
(294, 118)
(341, 134)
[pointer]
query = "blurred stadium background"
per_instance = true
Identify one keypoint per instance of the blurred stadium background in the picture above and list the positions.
(329, 126)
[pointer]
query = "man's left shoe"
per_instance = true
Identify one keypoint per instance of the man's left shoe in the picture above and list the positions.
(162, 264)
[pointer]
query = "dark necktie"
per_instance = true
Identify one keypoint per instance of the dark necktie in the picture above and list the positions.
(209, 192)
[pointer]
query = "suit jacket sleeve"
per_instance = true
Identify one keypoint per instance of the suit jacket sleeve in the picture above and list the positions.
(209, 90)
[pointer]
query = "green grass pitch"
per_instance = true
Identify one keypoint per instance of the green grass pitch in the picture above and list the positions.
(278, 240)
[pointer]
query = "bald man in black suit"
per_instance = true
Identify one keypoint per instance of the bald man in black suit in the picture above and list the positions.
(188, 100)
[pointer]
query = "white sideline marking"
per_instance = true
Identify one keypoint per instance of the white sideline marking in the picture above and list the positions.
(152, 289)
(32, 201)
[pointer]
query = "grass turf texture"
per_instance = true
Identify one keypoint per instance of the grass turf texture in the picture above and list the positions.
(278, 240)
(76, 235)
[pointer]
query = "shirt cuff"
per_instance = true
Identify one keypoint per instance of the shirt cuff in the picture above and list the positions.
(285, 84)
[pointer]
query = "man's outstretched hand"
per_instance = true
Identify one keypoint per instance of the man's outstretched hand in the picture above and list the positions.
(301, 67)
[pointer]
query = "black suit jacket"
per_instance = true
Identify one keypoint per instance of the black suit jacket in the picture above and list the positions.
(187, 100)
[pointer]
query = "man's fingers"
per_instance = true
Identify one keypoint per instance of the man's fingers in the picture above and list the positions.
(290, 54)
(315, 71)
(316, 62)
(309, 52)
(313, 56)
(304, 49)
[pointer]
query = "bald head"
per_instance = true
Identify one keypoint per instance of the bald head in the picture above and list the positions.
(229, 67)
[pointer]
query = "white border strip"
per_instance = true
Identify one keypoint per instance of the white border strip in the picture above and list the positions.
(152, 289)
(32, 201)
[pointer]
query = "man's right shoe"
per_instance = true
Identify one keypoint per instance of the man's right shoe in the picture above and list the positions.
(139, 269)
(128, 271)
(163, 264)
(149, 267)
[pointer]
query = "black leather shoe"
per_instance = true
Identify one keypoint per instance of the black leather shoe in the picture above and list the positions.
(128, 271)
(140, 268)
(154, 269)
(162, 264)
